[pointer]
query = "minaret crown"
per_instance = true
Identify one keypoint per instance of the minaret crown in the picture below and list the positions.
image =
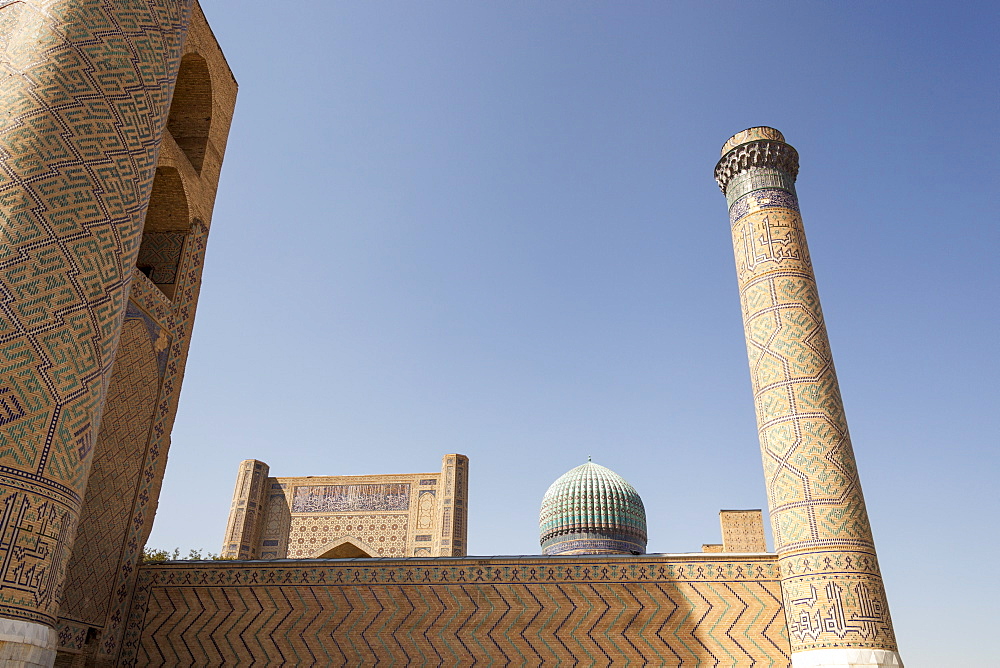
(749, 135)
(755, 148)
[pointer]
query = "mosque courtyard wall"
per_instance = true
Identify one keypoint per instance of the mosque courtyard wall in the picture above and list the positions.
(675, 610)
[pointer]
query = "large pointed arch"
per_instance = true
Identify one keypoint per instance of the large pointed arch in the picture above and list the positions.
(346, 547)
(190, 116)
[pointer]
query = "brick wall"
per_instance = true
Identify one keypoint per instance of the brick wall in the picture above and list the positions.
(669, 610)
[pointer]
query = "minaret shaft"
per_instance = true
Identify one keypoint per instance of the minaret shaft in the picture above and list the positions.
(833, 595)
(86, 86)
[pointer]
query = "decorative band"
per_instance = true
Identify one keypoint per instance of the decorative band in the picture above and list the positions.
(593, 545)
(766, 198)
(756, 179)
(618, 532)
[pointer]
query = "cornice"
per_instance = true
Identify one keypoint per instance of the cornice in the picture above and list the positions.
(761, 153)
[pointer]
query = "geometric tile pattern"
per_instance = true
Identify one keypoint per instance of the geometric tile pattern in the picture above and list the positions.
(159, 315)
(161, 253)
(274, 532)
(742, 531)
(832, 586)
(664, 611)
(244, 526)
(85, 86)
(379, 535)
(452, 509)
(388, 515)
(179, 316)
(147, 305)
(114, 477)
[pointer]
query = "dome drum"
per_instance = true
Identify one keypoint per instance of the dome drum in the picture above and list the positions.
(593, 543)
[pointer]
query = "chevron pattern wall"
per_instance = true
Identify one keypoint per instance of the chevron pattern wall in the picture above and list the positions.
(656, 610)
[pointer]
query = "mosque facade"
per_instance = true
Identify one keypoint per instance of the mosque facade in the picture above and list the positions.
(330, 517)
(117, 119)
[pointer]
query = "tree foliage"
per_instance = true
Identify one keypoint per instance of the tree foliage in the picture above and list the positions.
(152, 555)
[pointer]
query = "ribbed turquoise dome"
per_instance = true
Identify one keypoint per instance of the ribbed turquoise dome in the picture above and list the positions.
(592, 510)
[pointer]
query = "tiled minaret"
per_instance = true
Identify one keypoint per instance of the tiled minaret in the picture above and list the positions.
(86, 88)
(834, 600)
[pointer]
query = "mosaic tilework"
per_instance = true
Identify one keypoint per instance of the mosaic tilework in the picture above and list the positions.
(592, 543)
(161, 253)
(73, 188)
(350, 498)
(243, 531)
(590, 507)
(660, 610)
(277, 521)
(832, 587)
(425, 510)
(358, 508)
(177, 317)
(384, 535)
(451, 506)
(742, 531)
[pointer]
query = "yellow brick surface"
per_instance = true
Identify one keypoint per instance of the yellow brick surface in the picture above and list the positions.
(664, 610)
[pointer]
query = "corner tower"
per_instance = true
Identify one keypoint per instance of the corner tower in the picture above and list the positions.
(834, 600)
(592, 510)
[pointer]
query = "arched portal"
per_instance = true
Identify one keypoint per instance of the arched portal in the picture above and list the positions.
(344, 548)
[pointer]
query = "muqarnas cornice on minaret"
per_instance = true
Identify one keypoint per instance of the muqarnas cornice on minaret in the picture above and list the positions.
(834, 599)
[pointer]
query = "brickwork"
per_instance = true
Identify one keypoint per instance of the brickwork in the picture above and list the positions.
(742, 531)
(830, 577)
(664, 610)
(391, 515)
(75, 188)
(127, 419)
(244, 527)
(130, 451)
(451, 528)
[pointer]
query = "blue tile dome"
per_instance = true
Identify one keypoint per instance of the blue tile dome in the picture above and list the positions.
(592, 510)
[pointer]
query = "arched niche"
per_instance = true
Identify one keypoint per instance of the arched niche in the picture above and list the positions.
(168, 205)
(344, 548)
(190, 114)
(168, 221)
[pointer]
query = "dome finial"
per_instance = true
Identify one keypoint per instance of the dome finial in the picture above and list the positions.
(589, 459)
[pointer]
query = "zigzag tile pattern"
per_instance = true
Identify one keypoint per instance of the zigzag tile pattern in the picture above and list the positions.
(658, 610)
(831, 583)
(85, 85)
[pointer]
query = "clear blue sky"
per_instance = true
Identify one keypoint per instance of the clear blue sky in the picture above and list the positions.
(492, 228)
